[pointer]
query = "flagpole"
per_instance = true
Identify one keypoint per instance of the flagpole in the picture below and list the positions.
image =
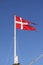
(15, 51)
(15, 47)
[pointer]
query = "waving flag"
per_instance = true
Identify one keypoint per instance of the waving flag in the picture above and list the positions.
(20, 23)
(23, 24)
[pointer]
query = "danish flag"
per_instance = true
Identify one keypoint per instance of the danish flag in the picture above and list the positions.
(23, 24)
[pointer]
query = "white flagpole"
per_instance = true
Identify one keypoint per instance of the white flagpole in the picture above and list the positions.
(15, 57)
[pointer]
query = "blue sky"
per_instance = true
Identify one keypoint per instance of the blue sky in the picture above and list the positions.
(29, 43)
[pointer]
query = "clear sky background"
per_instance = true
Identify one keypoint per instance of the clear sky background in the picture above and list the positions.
(29, 43)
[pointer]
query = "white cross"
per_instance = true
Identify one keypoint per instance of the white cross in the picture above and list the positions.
(22, 23)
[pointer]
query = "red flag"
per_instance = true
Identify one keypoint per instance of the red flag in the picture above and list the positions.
(23, 24)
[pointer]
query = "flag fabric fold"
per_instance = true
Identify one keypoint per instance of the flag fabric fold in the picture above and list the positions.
(23, 24)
